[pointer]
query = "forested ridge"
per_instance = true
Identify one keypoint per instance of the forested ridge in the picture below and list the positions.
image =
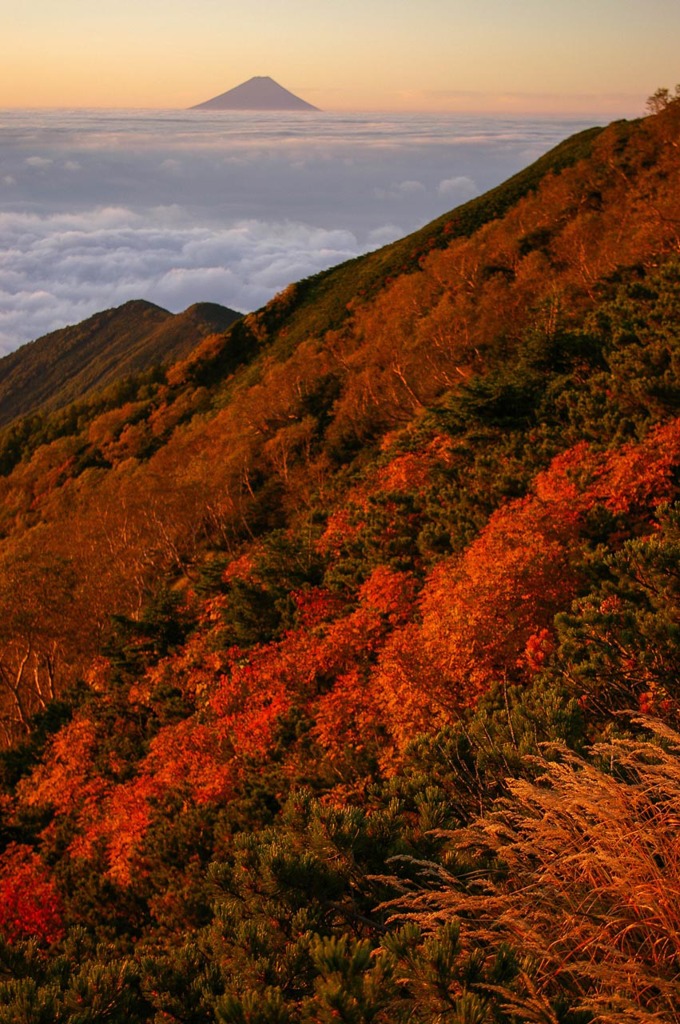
(339, 659)
(105, 349)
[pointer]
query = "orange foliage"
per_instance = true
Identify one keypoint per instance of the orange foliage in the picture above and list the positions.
(66, 781)
(121, 824)
(346, 716)
(341, 528)
(389, 593)
(412, 471)
(641, 476)
(316, 605)
(405, 687)
(349, 714)
(188, 757)
(538, 649)
(480, 610)
(240, 568)
(107, 427)
(488, 613)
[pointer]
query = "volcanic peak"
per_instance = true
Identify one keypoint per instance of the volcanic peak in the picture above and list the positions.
(259, 93)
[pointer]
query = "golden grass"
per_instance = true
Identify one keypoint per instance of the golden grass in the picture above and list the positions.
(586, 882)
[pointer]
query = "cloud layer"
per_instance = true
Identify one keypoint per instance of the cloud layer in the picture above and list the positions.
(58, 269)
(100, 207)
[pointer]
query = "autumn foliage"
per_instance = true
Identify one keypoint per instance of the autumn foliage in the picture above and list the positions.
(307, 640)
(30, 904)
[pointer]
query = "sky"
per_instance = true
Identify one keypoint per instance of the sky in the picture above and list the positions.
(111, 189)
(513, 56)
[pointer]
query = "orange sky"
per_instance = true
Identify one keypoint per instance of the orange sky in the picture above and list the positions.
(551, 56)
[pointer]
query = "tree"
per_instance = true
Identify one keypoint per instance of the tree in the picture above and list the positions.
(662, 98)
(37, 626)
(30, 905)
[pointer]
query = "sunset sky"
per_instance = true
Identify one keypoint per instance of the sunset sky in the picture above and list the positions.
(550, 56)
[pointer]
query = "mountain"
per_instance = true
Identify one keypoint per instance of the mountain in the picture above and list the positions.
(339, 658)
(139, 334)
(65, 364)
(260, 93)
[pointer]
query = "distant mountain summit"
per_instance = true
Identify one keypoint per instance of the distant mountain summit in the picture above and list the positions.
(261, 93)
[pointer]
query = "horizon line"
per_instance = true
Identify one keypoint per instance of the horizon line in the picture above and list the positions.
(499, 111)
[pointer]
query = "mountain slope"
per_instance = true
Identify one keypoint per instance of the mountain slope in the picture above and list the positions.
(325, 301)
(321, 302)
(259, 93)
(365, 640)
(264, 425)
(62, 366)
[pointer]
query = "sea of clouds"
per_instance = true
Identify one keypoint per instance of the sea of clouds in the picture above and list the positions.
(177, 207)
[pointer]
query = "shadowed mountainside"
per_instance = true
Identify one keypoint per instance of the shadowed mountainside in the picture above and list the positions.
(64, 365)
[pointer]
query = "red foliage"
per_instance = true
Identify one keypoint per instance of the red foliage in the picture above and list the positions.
(412, 471)
(342, 528)
(346, 716)
(248, 711)
(479, 611)
(316, 605)
(405, 687)
(539, 647)
(389, 593)
(641, 476)
(189, 757)
(372, 677)
(242, 568)
(30, 904)
(66, 781)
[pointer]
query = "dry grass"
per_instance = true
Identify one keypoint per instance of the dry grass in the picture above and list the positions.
(589, 886)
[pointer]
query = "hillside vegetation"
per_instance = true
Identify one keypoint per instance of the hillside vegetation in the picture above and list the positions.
(108, 347)
(343, 683)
